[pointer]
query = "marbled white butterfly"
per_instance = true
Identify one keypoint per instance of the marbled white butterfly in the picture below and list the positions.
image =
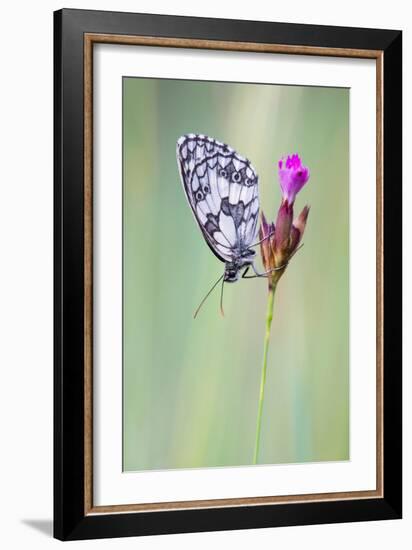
(222, 189)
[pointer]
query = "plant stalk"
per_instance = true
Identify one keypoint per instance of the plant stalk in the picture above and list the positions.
(269, 317)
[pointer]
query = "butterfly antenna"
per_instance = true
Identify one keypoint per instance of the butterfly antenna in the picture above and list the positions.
(207, 296)
(221, 299)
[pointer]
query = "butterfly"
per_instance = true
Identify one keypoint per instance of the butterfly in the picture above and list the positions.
(221, 187)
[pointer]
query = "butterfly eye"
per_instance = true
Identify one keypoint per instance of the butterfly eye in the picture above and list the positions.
(223, 173)
(206, 189)
(199, 195)
(236, 177)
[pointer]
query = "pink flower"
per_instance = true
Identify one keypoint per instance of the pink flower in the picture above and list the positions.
(292, 176)
(280, 240)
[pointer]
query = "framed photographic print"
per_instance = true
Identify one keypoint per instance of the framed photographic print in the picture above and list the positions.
(228, 204)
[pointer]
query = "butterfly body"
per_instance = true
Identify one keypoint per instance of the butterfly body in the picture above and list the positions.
(221, 187)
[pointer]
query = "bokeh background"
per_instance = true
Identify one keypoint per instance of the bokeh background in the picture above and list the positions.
(191, 386)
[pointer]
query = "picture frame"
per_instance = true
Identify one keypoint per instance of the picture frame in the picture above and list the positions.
(76, 33)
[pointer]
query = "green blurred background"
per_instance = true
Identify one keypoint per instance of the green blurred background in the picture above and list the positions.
(191, 386)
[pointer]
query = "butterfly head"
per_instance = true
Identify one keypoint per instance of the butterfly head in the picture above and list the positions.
(234, 268)
(231, 274)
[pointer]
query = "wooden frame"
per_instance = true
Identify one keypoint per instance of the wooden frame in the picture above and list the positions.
(76, 31)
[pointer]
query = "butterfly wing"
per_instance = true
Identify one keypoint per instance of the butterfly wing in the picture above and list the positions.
(222, 189)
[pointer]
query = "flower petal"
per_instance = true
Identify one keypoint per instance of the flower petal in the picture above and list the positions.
(295, 237)
(283, 227)
(265, 227)
(300, 222)
(292, 176)
(264, 237)
(298, 228)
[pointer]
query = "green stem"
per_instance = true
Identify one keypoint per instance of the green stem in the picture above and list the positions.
(269, 317)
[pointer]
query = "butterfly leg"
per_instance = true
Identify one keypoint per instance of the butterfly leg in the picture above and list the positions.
(262, 240)
(269, 271)
(244, 276)
(257, 274)
(266, 273)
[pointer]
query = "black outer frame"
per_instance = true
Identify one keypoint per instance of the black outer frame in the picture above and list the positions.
(70, 522)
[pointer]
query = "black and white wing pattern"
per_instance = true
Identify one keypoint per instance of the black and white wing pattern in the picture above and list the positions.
(222, 190)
